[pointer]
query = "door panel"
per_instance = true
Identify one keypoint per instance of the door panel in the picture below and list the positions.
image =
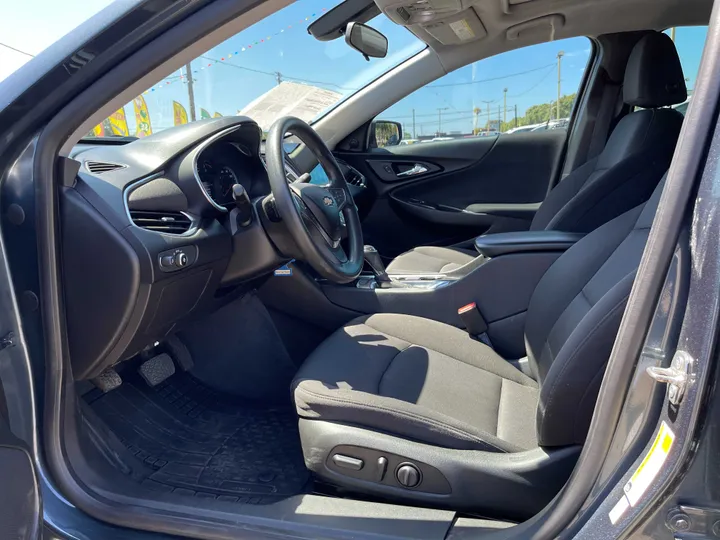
(20, 505)
(456, 190)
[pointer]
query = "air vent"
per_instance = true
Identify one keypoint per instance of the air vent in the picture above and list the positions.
(100, 167)
(354, 177)
(163, 222)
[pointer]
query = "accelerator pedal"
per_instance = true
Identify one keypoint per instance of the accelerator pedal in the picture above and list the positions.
(157, 369)
(107, 380)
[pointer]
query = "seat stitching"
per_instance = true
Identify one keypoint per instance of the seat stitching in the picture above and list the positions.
(406, 414)
(579, 346)
(391, 360)
(500, 404)
(584, 294)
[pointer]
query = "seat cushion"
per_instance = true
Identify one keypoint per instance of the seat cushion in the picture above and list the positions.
(418, 379)
(430, 260)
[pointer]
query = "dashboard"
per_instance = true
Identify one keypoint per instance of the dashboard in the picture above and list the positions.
(160, 242)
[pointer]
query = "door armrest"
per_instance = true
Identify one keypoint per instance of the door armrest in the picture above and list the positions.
(494, 245)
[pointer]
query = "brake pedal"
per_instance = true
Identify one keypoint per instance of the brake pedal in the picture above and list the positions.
(179, 352)
(157, 369)
(108, 380)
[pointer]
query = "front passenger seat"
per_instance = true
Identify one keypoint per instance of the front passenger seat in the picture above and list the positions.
(621, 177)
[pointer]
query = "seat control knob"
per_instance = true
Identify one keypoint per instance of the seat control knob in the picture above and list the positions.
(181, 259)
(408, 475)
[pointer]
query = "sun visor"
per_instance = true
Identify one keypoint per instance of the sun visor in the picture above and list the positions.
(542, 27)
(463, 27)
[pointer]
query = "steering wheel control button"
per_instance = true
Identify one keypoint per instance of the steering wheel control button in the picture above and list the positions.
(408, 475)
(347, 462)
(339, 195)
(177, 259)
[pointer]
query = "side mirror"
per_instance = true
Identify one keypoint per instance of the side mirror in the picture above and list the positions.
(385, 133)
(367, 40)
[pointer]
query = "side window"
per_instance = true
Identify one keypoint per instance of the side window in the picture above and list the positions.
(689, 42)
(528, 89)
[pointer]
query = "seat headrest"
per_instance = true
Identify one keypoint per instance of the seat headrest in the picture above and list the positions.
(654, 76)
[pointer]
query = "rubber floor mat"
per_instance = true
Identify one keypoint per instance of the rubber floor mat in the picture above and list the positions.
(192, 440)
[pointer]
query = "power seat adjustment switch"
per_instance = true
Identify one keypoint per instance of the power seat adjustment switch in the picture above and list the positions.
(408, 475)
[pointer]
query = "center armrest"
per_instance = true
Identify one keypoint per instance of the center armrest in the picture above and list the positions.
(493, 245)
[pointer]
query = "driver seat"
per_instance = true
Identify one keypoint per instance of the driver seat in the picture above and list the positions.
(413, 409)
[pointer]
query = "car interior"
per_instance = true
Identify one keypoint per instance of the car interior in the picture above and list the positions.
(421, 334)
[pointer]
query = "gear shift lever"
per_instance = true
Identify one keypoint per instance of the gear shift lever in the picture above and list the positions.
(372, 257)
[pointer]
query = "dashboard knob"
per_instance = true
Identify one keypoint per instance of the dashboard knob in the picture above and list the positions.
(181, 259)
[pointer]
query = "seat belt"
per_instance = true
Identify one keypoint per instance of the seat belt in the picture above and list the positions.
(474, 323)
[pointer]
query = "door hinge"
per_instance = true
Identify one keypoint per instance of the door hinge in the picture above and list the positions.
(677, 376)
(694, 522)
(7, 341)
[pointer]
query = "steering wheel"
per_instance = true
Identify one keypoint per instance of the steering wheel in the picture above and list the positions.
(317, 217)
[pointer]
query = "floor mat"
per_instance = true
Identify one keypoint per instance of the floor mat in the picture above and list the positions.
(193, 440)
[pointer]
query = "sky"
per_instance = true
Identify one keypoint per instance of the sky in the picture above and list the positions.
(227, 78)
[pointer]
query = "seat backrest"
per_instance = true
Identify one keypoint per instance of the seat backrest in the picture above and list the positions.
(573, 318)
(638, 151)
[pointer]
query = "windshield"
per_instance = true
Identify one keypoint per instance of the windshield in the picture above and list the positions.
(272, 69)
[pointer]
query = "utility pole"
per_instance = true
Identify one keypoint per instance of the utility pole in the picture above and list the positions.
(504, 105)
(487, 103)
(516, 118)
(278, 77)
(499, 117)
(414, 132)
(440, 110)
(560, 54)
(191, 91)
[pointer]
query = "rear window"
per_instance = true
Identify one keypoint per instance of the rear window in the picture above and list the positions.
(689, 42)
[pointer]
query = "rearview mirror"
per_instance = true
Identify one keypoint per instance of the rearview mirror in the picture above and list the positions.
(367, 40)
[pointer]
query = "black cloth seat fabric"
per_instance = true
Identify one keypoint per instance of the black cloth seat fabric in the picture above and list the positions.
(625, 173)
(429, 382)
(419, 379)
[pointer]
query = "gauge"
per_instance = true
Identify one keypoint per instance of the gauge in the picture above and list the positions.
(226, 180)
(207, 174)
(243, 149)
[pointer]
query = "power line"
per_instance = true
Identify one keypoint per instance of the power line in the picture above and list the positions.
(17, 50)
(533, 87)
(275, 74)
(492, 78)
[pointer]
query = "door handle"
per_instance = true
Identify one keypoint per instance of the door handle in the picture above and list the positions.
(415, 170)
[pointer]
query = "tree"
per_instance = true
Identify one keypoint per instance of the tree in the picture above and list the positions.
(542, 112)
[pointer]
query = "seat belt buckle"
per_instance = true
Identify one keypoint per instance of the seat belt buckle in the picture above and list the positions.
(474, 322)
